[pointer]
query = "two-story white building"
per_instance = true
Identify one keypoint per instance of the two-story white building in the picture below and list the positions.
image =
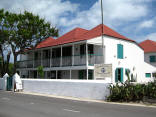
(149, 47)
(74, 55)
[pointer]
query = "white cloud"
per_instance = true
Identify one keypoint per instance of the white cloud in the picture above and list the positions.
(67, 15)
(51, 10)
(147, 24)
(116, 12)
(151, 36)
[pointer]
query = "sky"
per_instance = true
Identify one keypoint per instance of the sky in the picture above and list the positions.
(135, 19)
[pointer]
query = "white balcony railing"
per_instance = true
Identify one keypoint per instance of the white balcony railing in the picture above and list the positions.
(77, 60)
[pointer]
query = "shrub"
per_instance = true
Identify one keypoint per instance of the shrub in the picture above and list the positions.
(40, 71)
(132, 92)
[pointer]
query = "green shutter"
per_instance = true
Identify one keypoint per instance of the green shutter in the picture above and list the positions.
(148, 75)
(121, 74)
(152, 58)
(120, 51)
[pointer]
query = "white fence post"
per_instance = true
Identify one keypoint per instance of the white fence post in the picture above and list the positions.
(5, 81)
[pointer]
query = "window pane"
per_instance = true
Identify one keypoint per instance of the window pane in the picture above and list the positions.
(148, 75)
(152, 58)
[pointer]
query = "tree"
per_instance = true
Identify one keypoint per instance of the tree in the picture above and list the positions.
(4, 63)
(26, 31)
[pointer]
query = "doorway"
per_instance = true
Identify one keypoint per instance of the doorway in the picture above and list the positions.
(119, 75)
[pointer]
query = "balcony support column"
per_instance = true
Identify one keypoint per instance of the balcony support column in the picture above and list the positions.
(87, 73)
(61, 57)
(51, 50)
(87, 59)
(73, 55)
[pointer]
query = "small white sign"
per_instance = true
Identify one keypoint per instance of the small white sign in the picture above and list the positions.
(101, 71)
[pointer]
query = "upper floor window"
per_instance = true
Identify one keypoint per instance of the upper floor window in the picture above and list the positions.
(152, 58)
(148, 75)
(120, 51)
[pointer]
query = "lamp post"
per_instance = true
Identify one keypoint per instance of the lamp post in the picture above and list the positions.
(103, 47)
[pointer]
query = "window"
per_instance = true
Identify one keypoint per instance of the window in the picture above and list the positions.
(120, 51)
(83, 49)
(152, 58)
(148, 75)
(67, 51)
(119, 74)
(90, 49)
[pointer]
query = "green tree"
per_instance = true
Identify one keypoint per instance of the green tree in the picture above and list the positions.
(4, 63)
(26, 31)
(40, 71)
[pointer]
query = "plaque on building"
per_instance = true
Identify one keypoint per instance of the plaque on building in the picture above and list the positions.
(101, 71)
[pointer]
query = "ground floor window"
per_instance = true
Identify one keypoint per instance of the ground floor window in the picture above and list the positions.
(119, 75)
(148, 75)
(82, 74)
(90, 74)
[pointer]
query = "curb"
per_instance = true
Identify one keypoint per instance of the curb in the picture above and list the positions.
(87, 100)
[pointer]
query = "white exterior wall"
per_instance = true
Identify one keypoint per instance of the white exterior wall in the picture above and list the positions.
(147, 58)
(133, 58)
(72, 88)
(1, 83)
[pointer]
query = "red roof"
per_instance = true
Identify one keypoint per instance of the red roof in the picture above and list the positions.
(47, 42)
(97, 31)
(79, 34)
(148, 46)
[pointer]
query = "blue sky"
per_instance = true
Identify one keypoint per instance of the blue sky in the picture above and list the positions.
(135, 19)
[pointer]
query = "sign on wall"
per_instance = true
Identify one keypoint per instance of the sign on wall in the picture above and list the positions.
(101, 71)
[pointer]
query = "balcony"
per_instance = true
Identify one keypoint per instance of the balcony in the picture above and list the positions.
(77, 60)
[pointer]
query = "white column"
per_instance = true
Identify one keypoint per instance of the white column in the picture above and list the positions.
(73, 55)
(51, 50)
(70, 74)
(87, 58)
(61, 56)
(87, 73)
(86, 55)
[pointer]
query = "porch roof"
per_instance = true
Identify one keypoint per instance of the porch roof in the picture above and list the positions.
(79, 34)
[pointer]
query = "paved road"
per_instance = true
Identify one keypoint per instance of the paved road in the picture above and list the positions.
(23, 105)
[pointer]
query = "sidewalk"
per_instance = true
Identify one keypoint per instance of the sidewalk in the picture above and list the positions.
(89, 100)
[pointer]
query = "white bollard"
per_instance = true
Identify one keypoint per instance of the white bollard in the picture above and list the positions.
(17, 82)
(5, 81)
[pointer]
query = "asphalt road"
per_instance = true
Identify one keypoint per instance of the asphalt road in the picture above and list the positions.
(23, 105)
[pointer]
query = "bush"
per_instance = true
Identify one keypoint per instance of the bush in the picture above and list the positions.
(40, 71)
(132, 92)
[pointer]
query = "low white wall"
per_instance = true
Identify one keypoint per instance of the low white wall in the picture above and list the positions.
(72, 88)
(1, 83)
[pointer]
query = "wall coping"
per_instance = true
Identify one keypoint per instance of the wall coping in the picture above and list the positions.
(68, 80)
